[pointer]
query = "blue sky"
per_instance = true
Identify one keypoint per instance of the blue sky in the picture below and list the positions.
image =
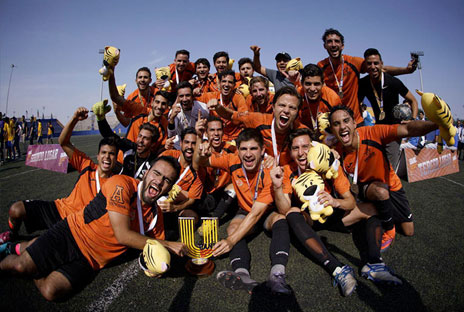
(54, 44)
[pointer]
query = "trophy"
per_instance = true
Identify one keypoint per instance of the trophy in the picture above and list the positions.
(199, 264)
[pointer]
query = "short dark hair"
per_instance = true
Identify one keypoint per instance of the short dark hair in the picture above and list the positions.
(202, 61)
(220, 54)
(296, 133)
(184, 52)
(183, 85)
(372, 51)
(188, 130)
(248, 134)
(261, 79)
(146, 69)
(287, 90)
(171, 161)
(111, 141)
(244, 60)
(164, 94)
(154, 131)
(212, 118)
(340, 107)
(311, 70)
(227, 72)
(332, 31)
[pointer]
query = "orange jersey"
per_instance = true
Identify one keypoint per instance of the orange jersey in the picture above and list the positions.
(245, 184)
(204, 85)
(266, 108)
(85, 188)
(352, 68)
(192, 181)
(238, 104)
(137, 104)
(91, 227)
(310, 109)
(186, 75)
(214, 85)
(373, 164)
(161, 125)
(217, 178)
(263, 122)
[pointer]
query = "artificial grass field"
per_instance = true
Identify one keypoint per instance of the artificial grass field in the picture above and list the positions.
(431, 263)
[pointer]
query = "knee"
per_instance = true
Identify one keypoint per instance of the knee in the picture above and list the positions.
(49, 291)
(408, 228)
(17, 210)
(378, 192)
(293, 209)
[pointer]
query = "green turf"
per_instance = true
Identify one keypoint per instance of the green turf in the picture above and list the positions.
(430, 263)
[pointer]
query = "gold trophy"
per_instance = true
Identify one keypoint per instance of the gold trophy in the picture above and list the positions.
(199, 265)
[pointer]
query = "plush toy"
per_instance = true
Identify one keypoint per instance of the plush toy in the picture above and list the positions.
(172, 195)
(110, 60)
(439, 112)
(322, 160)
(122, 89)
(294, 64)
(323, 125)
(231, 63)
(164, 73)
(244, 87)
(155, 259)
(100, 109)
(306, 187)
(321, 163)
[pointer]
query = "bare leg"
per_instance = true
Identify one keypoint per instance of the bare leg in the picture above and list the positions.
(55, 286)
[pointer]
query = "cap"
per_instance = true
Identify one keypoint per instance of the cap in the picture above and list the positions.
(283, 55)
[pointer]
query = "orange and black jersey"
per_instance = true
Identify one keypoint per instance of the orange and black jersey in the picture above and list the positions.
(266, 108)
(136, 104)
(373, 164)
(161, 125)
(309, 110)
(217, 178)
(186, 75)
(91, 226)
(352, 68)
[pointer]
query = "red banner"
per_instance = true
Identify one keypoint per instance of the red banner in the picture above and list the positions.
(429, 164)
(47, 156)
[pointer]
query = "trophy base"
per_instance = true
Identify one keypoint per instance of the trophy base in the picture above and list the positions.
(200, 267)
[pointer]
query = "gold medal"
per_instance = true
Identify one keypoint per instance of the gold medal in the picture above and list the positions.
(340, 93)
(382, 114)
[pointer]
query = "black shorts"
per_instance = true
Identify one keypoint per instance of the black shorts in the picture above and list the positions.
(333, 222)
(402, 212)
(56, 250)
(40, 215)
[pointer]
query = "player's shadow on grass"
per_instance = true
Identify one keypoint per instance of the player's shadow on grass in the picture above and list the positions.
(181, 302)
(262, 299)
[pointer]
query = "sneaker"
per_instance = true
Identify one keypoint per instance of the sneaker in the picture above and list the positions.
(380, 273)
(278, 285)
(344, 277)
(234, 281)
(6, 236)
(6, 249)
(387, 239)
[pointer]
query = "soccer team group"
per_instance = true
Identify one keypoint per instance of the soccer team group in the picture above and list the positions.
(227, 152)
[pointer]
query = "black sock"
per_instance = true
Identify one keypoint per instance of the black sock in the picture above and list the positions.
(374, 239)
(385, 213)
(240, 256)
(359, 239)
(280, 243)
(222, 206)
(312, 242)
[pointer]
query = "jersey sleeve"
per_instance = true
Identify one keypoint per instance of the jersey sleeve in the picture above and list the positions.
(386, 133)
(80, 160)
(196, 189)
(287, 183)
(341, 183)
(265, 194)
(118, 193)
(220, 161)
(249, 119)
(131, 109)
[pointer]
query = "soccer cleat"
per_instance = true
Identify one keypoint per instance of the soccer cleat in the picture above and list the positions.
(234, 281)
(344, 277)
(6, 236)
(387, 239)
(380, 273)
(6, 249)
(278, 285)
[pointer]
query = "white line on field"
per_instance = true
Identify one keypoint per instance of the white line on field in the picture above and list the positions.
(452, 181)
(113, 291)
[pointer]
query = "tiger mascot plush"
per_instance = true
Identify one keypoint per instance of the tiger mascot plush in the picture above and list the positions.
(323, 126)
(321, 163)
(164, 73)
(110, 60)
(439, 112)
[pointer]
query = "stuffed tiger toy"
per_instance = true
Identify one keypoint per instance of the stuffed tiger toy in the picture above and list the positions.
(306, 187)
(439, 112)
(322, 160)
(294, 64)
(110, 60)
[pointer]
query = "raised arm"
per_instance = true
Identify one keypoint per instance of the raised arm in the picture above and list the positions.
(395, 71)
(409, 97)
(415, 128)
(65, 137)
(114, 94)
(256, 60)
(282, 200)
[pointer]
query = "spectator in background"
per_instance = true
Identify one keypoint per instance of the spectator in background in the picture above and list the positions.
(39, 132)
(2, 140)
(461, 140)
(50, 132)
(33, 130)
(18, 131)
(368, 120)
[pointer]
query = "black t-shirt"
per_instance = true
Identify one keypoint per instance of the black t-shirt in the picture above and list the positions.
(392, 88)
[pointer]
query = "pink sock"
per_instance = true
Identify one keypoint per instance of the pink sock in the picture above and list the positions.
(18, 249)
